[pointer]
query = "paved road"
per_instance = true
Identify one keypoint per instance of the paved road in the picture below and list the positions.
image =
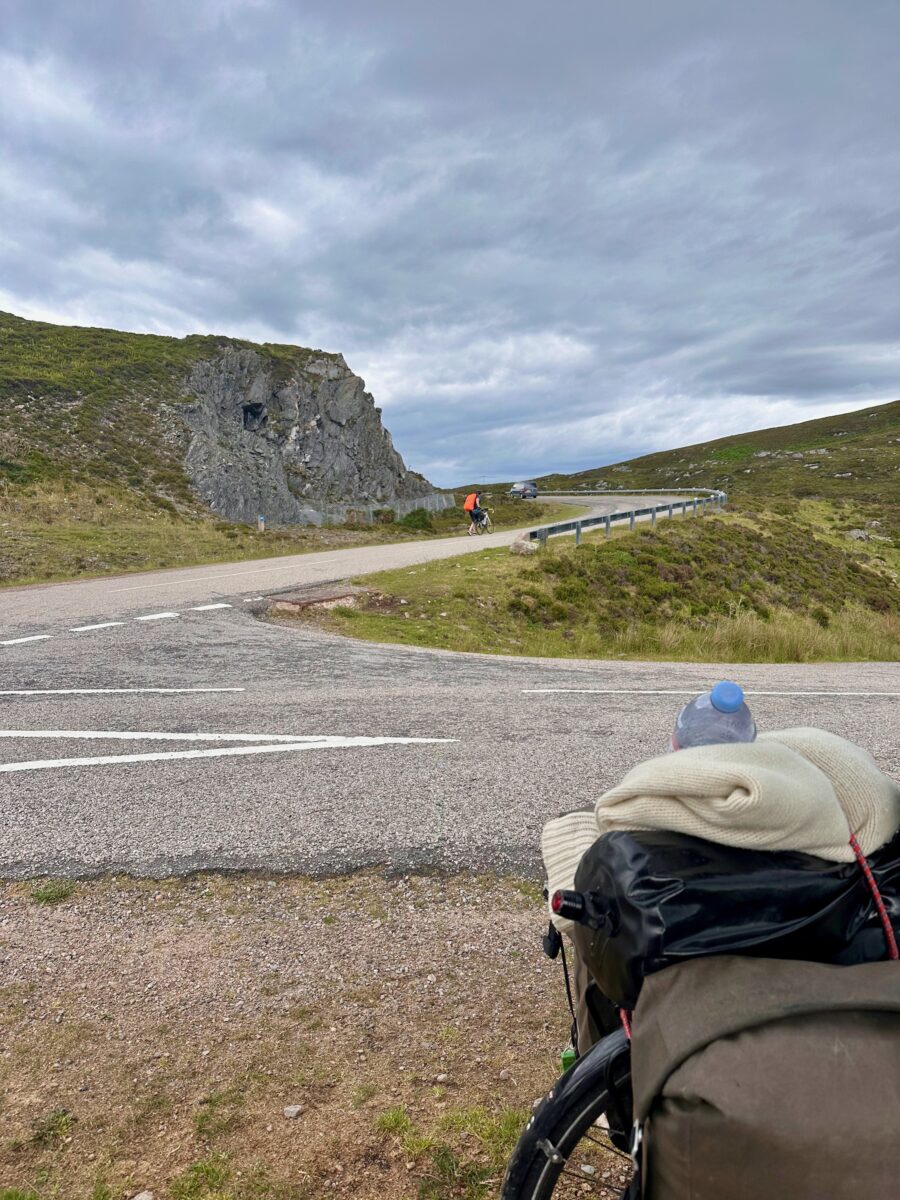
(49, 608)
(363, 772)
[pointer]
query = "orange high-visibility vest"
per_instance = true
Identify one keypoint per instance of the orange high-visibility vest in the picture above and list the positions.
(471, 501)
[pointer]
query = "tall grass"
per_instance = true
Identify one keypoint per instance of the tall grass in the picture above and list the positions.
(854, 635)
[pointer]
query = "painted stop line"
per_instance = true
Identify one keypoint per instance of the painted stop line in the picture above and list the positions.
(254, 743)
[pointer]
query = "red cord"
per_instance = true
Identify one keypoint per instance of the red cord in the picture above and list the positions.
(876, 896)
(626, 1024)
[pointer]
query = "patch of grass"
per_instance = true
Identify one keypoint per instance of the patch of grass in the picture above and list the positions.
(53, 1129)
(363, 1093)
(743, 587)
(394, 1120)
(52, 891)
(203, 1180)
(532, 891)
(219, 1113)
(462, 1155)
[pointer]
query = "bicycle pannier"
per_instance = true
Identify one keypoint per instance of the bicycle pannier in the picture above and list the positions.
(670, 897)
(760, 1079)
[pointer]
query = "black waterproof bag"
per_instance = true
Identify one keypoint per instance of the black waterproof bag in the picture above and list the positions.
(655, 899)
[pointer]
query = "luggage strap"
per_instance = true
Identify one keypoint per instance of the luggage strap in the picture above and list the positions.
(876, 896)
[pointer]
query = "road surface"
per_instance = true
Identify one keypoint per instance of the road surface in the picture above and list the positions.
(206, 737)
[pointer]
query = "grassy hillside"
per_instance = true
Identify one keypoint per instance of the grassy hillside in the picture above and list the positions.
(854, 455)
(735, 587)
(91, 477)
(90, 406)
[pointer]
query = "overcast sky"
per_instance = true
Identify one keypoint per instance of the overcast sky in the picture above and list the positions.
(548, 235)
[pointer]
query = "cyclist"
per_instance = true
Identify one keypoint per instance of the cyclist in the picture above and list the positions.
(473, 507)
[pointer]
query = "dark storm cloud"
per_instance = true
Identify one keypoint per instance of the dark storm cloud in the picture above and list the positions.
(548, 236)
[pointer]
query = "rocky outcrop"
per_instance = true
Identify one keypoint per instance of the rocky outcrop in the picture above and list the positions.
(295, 437)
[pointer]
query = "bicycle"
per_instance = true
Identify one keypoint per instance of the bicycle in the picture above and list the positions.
(484, 524)
(552, 1157)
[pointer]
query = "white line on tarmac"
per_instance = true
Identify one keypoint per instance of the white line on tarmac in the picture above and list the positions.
(209, 607)
(35, 637)
(686, 691)
(156, 691)
(136, 735)
(157, 616)
(329, 743)
(102, 625)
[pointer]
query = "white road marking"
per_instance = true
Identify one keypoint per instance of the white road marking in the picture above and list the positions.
(326, 743)
(137, 735)
(208, 607)
(250, 599)
(157, 616)
(35, 637)
(102, 625)
(686, 691)
(157, 691)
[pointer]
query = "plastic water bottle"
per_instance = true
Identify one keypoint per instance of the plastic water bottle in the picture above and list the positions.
(719, 715)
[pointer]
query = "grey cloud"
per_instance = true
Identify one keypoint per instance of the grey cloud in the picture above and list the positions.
(542, 233)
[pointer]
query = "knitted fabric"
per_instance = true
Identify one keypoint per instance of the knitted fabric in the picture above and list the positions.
(798, 789)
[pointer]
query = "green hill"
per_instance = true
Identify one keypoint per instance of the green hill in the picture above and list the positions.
(84, 405)
(853, 456)
(123, 451)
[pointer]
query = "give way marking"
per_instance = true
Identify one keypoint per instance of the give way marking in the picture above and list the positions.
(254, 743)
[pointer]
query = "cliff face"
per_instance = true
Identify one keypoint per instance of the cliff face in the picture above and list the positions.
(292, 440)
(275, 430)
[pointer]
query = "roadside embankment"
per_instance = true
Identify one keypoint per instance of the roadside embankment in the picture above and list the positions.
(793, 583)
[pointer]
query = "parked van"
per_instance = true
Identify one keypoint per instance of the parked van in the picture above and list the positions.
(524, 491)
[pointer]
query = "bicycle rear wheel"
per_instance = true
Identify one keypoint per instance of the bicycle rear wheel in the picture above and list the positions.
(562, 1153)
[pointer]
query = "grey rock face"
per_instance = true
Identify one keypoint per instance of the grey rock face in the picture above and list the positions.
(295, 440)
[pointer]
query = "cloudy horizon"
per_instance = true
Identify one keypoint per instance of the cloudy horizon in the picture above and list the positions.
(548, 238)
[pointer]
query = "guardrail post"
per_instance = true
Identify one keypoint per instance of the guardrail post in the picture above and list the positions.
(607, 524)
(631, 520)
(653, 516)
(577, 533)
(671, 507)
(694, 507)
(542, 536)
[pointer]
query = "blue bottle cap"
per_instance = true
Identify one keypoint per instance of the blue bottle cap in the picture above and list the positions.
(727, 697)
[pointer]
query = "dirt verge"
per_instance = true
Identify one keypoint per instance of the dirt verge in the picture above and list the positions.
(235, 1038)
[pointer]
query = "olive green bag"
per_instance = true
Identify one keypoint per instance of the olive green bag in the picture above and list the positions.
(764, 1079)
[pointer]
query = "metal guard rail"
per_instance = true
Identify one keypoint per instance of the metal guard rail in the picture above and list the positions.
(716, 498)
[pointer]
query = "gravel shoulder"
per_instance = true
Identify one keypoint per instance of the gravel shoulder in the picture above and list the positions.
(154, 1034)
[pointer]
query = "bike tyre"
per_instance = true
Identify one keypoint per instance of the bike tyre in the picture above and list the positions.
(563, 1118)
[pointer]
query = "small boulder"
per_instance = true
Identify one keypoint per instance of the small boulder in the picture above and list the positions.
(293, 1111)
(523, 546)
(858, 535)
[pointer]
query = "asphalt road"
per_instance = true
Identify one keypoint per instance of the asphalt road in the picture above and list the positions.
(387, 755)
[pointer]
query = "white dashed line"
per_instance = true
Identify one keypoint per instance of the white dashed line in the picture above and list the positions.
(250, 599)
(157, 691)
(686, 691)
(209, 607)
(325, 743)
(35, 637)
(157, 616)
(102, 625)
